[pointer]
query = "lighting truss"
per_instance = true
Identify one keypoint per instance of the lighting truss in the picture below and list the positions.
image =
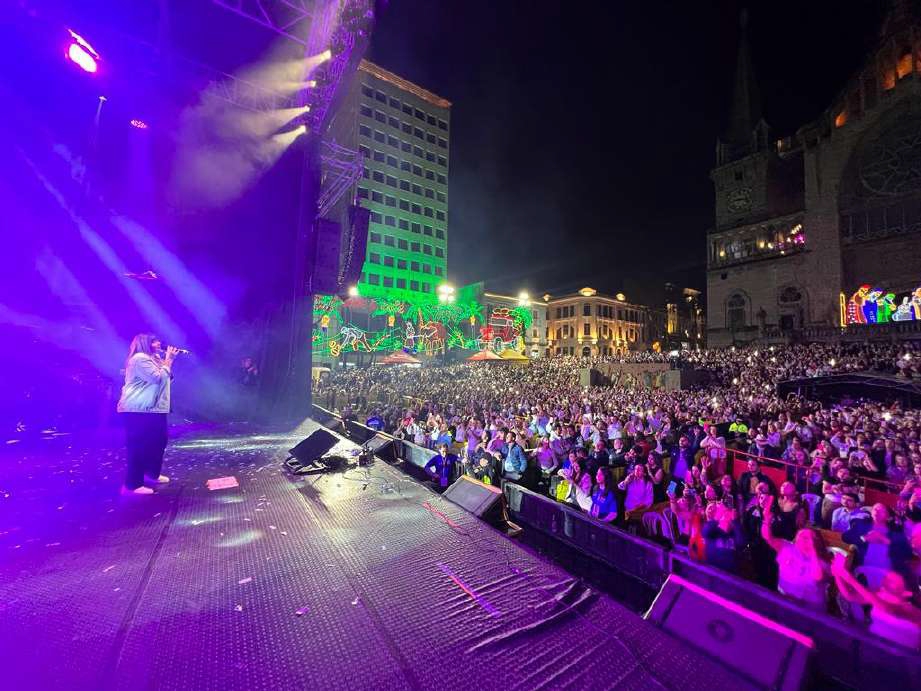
(341, 26)
(289, 18)
(342, 168)
(243, 94)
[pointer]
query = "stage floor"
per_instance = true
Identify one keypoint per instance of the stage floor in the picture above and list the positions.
(356, 580)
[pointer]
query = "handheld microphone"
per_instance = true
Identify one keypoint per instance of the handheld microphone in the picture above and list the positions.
(182, 351)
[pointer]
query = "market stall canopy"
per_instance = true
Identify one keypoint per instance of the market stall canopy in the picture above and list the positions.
(483, 356)
(400, 358)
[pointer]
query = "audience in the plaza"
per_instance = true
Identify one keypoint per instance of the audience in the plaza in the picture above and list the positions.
(760, 485)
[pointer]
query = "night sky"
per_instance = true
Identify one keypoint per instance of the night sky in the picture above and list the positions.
(583, 133)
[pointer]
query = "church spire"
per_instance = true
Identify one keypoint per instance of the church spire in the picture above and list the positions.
(745, 114)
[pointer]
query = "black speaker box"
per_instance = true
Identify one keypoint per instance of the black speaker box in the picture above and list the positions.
(766, 653)
(483, 501)
(312, 447)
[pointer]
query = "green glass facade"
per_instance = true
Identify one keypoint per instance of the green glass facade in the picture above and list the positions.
(403, 133)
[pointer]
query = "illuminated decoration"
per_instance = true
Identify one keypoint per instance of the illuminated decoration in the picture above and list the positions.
(359, 324)
(81, 53)
(873, 305)
(140, 124)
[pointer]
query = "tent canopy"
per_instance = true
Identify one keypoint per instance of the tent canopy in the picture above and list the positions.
(483, 356)
(400, 358)
(511, 354)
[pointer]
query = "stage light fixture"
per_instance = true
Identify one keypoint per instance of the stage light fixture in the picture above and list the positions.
(82, 54)
(140, 124)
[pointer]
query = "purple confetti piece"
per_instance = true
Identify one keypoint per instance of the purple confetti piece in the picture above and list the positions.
(302, 611)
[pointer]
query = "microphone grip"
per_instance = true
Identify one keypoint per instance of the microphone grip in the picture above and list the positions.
(182, 351)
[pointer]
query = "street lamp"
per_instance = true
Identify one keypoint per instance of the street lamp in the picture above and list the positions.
(353, 291)
(445, 293)
(524, 299)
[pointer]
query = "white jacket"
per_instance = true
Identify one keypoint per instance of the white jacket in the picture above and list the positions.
(147, 386)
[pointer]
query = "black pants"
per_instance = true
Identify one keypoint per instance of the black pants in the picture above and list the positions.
(145, 440)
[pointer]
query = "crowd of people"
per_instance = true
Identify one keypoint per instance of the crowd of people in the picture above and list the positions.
(796, 518)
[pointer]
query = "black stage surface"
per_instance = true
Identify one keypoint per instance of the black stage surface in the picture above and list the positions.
(357, 580)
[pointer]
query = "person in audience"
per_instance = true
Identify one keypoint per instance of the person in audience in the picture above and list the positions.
(682, 459)
(764, 558)
(657, 476)
(722, 537)
(802, 565)
(714, 448)
(638, 490)
(515, 460)
(850, 510)
(893, 615)
(788, 514)
(881, 545)
(751, 479)
(582, 492)
(603, 501)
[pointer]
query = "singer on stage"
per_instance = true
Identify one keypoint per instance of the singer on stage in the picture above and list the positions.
(144, 404)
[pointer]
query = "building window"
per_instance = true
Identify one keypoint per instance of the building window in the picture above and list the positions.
(439, 271)
(426, 249)
(402, 244)
(420, 115)
(414, 266)
(392, 181)
(429, 211)
(430, 138)
(406, 147)
(379, 156)
(439, 252)
(367, 112)
(417, 170)
(426, 269)
(586, 310)
(429, 175)
(392, 162)
(374, 279)
(442, 125)
(390, 201)
(586, 329)
(365, 131)
(375, 258)
(382, 97)
(735, 312)
(362, 193)
(401, 263)
(408, 109)
(440, 196)
(367, 91)
(393, 103)
(406, 128)
(417, 227)
(375, 237)
(379, 116)
(377, 176)
(401, 283)
(393, 141)
(440, 215)
(443, 143)
(390, 221)
(442, 161)
(394, 123)
(429, 156)
(404, 185)
(414, 246)
(376, 217)
(404, 205)
(389, 241)
(417, 189)
(403, 224)
(439, 233)
(377, 197)
(414, 285)
(388, 261)
(416, 209)
(406, 166)
(388, 281)
(429, 193)
(426, 287)
(427, 230)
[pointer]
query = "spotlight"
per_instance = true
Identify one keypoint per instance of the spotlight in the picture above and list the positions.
(326, 55)
(81, 53)
(140, 124)
(311, 83)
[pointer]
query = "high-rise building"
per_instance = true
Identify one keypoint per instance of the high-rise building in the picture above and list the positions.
(403, 132)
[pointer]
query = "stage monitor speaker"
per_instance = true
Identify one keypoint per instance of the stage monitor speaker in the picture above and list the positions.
(381, 446)
(483, 501)
(314, 446)
(729, 632)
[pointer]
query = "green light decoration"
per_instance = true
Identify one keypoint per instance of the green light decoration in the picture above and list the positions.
(416, 326)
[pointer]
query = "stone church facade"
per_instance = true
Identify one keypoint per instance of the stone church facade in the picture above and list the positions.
(802, 222)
